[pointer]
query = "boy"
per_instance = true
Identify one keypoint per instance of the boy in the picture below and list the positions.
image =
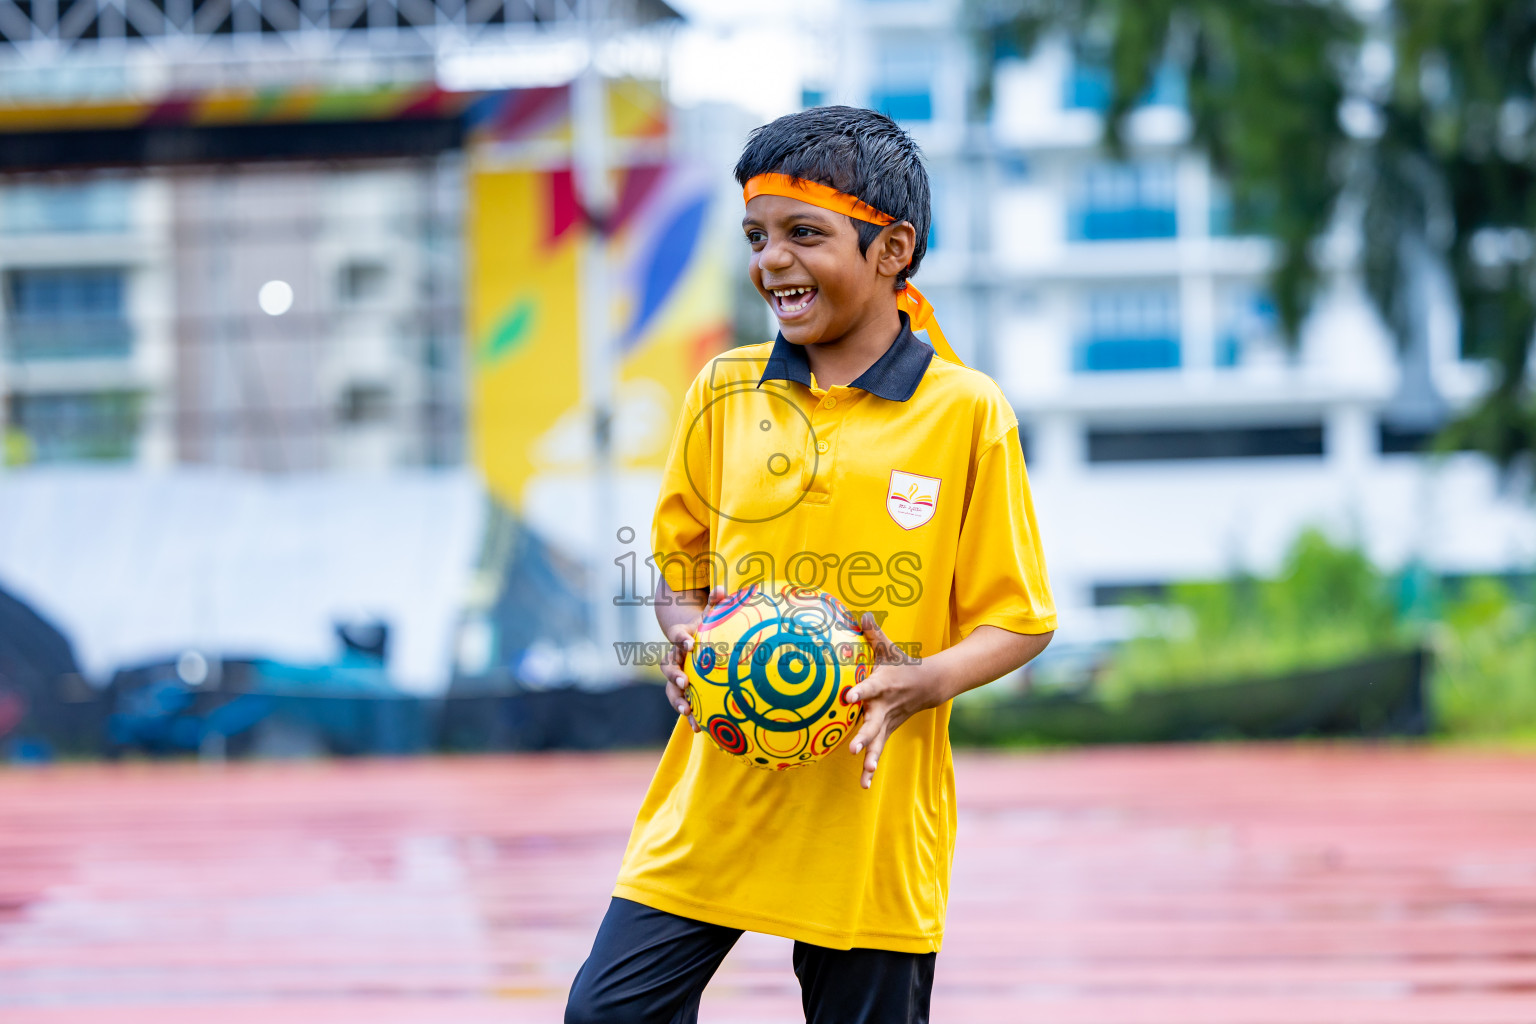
(849, 456)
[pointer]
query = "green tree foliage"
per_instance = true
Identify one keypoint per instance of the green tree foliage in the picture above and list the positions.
(1439, 159)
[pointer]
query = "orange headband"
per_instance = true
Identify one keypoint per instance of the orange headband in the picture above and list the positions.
(911, 301)
(815, 193)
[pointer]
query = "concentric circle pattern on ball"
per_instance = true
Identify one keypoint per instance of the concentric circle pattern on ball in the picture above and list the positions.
(770, 672)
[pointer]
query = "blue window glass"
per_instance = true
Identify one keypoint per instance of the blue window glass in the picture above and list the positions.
(1247, 318)
(1221, 212)
(77, 427)
(1129, 329)
(101, 206)
(1090, 85)
(903, 87)
(1167, 88)
(1014, 166)
(1113, 201)
(63, 313)
(904, 105)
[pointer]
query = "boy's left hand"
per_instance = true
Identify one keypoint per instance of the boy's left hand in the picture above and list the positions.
(898, 688)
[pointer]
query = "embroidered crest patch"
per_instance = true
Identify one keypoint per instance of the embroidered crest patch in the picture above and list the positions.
(911, 499)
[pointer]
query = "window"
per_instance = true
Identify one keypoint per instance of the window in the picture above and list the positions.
(904, 82)
(77, 427)
(1247, 320)
(365, 403)
(1207, 443)
(1411, 439)
(1129, 329)
(1108, 595)
(362, 280)
(1090, 84)
(1124, 201)
(67, 313)
(912, 104)
(30, 209)
(1396, 440)
(1013, 167)
(1220, 225)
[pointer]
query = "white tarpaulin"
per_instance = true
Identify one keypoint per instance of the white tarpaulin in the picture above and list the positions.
(136, 566)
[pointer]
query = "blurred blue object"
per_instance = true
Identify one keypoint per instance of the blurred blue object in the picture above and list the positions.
(278, 710)
(266, 706)
(162, 717)
(352, 676)
(30, 751)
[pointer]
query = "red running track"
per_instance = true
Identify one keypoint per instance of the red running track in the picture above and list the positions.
(1257, 885)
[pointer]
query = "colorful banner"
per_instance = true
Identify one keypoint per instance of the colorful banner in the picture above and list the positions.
(524, 233)
(276, 105)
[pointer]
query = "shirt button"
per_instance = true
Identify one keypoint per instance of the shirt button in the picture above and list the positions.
(823, 447)
(828, 402)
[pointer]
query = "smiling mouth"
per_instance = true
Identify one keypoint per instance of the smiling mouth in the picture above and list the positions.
(792, 302)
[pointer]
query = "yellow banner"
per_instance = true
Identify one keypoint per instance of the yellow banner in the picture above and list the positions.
(524, 354)
(524, 233)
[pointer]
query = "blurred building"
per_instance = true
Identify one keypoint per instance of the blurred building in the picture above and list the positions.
(1171, 434)
(318, 314)
(236, 311)
(88, 349)
(273, 319)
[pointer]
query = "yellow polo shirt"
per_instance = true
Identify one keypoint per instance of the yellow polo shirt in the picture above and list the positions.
(904, 494)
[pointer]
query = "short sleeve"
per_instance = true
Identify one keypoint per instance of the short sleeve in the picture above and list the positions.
(1000, 570)
(680, 527)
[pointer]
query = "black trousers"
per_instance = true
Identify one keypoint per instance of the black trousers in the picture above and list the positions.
(650, 967)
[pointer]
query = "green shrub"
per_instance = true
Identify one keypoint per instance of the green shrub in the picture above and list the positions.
(1329, 604)
(1485, 678)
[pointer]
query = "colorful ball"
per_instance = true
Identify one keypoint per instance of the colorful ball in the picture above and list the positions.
(770, 672)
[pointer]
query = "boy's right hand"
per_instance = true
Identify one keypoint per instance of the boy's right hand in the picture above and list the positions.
(681, 637)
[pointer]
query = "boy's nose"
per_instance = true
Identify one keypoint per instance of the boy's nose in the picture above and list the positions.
(775, 256)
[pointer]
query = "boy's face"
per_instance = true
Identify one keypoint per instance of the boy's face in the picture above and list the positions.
(807, 265)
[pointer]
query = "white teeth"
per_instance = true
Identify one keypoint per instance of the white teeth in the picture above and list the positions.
(785, 293)
(794, 304)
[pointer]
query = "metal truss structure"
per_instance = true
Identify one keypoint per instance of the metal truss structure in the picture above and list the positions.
(175, 36)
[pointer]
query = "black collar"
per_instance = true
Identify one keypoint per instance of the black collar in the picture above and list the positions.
(894, 377)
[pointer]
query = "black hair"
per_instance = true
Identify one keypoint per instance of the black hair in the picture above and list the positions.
(860, 152)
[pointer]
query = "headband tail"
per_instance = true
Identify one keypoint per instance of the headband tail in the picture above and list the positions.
(920, 311)
(941, 346)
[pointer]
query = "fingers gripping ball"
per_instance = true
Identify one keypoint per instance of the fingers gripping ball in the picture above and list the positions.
(770, 671)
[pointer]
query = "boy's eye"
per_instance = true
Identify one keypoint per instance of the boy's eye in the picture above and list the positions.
(756, 236)
(801, 231)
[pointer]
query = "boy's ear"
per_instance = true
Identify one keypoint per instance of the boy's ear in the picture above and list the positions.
(893, 249)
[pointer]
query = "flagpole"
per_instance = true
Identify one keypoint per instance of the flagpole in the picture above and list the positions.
(589, 116)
